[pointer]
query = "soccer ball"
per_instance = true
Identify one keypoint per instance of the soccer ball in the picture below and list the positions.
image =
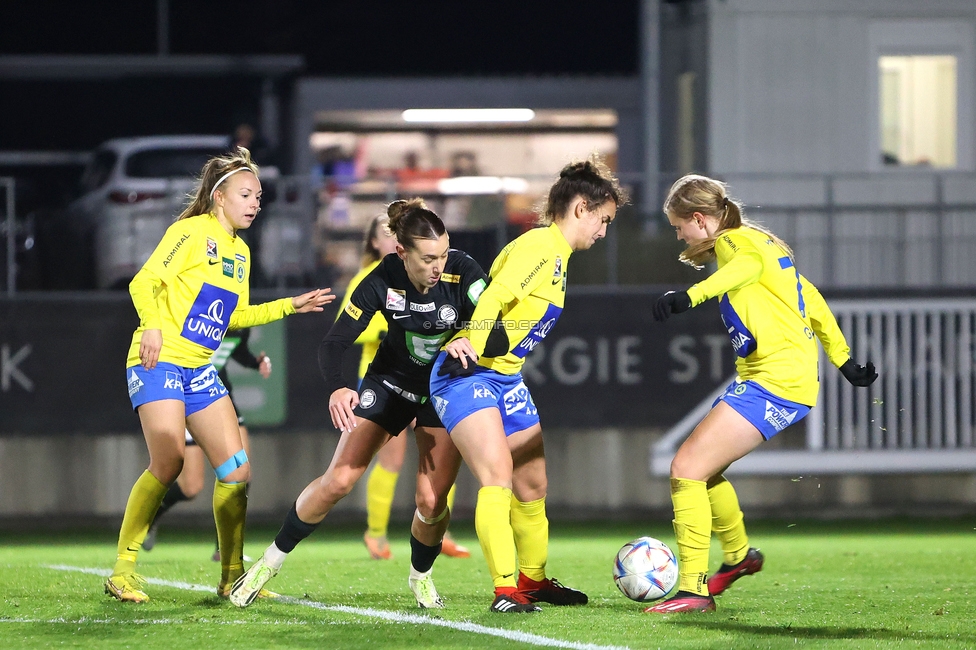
(645, 569)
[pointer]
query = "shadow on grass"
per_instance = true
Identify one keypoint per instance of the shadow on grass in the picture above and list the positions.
(819, 632)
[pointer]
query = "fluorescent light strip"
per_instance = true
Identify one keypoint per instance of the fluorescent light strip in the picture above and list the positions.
(482, 185)
(468, 114)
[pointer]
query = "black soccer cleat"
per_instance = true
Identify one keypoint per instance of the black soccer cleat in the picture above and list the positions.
(513, 603)
(549, 591)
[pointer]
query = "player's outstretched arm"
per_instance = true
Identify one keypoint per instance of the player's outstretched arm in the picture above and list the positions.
(312, 301)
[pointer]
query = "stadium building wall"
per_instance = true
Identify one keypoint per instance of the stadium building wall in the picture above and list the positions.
(793, 84)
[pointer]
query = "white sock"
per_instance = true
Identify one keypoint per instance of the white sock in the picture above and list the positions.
(274, 556)
(417, 575)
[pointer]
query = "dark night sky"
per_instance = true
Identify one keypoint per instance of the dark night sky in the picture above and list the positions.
(349, 38)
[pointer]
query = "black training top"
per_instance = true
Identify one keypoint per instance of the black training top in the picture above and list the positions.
(419, 324)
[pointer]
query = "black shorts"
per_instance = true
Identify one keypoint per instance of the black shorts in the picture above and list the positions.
(381, 402)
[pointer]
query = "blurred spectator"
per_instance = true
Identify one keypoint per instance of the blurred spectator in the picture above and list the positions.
(464, 163)
(245, 135)
(411, 178)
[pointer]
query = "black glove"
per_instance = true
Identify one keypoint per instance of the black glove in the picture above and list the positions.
(452, 366)
(673, 302)
(859, 375)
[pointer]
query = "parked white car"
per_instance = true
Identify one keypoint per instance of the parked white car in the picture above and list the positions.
(133, 188)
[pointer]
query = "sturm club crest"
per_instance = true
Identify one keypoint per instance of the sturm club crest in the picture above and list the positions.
(447, 314)
(367, 399)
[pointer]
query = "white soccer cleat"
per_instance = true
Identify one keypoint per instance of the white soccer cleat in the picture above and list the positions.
(249, 586)
(423, 588)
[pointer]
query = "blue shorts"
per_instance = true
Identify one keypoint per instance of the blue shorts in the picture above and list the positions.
(765, 411)
(456, 399)
(197, 388)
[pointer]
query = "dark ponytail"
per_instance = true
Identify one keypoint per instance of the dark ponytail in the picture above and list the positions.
(590, 179)
(411, 220)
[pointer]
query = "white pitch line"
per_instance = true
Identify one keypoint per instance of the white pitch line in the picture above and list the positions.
(395, 617)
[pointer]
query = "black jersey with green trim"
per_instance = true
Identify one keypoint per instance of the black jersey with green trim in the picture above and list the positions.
(419, 323)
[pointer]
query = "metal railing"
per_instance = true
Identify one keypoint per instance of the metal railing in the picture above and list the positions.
(919, 416)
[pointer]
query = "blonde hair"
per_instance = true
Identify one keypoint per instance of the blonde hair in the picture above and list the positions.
(213, 170)
(590, 179)
(695, 193)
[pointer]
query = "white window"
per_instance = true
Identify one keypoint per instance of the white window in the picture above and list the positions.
(917, 97)
(923, 109)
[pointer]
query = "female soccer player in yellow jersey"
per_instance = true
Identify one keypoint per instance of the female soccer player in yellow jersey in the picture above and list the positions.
(193, 288)
(486, 406)
(378, 242)
(772, 314)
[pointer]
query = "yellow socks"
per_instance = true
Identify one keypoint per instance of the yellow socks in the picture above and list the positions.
(492, 521)
(379, 499)
(692, 529)
(450, 497)
(727, 521)
(531, 528)
(144, 500)
(230, 510)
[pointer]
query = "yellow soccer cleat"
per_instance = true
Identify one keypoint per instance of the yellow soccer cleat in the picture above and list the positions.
(223, 591)
(127, 587)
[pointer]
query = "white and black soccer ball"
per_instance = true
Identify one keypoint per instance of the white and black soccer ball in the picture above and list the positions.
(645, 569)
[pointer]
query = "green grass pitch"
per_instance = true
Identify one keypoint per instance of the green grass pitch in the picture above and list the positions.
(880, 584)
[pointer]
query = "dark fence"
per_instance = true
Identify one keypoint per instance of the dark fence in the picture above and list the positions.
(62, 360)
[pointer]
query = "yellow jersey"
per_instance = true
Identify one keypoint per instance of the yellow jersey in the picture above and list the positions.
(523, 301)
(772, 314)
(193, 288)
(373, 334)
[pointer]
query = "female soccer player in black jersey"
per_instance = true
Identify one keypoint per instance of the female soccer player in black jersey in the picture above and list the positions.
(423, 291)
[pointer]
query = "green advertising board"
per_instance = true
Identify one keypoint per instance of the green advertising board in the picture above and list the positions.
(262, 402)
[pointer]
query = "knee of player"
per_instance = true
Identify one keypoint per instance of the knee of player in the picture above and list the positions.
(236, 469)
(340, 483)
(166, 471)
(429, 503)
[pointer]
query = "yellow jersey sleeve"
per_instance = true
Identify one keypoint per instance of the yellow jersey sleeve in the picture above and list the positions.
(825, 325)
(740, 264)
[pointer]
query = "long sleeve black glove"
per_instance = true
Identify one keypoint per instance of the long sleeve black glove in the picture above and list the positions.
(673, 302)
(859, 375)
(452, 366)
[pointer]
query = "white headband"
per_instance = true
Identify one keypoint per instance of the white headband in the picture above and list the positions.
(226, 176)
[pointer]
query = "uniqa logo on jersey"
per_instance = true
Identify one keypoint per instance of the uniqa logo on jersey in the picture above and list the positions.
(209, 316)
(538, 332)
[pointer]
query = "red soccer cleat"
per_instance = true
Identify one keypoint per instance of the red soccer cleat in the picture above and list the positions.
(549, 591)
(683, 601)
(726, 575)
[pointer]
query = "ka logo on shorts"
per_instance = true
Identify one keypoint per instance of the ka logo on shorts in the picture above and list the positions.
(174, 381)
(480, 391)
(740, 389)
(367, 399)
